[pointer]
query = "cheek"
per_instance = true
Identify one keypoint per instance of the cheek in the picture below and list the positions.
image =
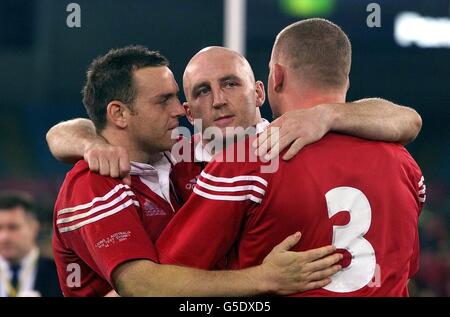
(202, 112)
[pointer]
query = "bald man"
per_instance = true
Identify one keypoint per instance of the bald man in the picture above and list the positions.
(234, 97)
(362, 196)
(105, 231)
(222, 93)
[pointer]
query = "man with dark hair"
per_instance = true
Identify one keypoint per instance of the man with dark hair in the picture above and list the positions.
(23, 272)
(364, 197)
(111, 77)
(105, 230)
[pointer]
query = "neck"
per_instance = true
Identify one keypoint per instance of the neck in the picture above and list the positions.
(121, 138)
(297, 99)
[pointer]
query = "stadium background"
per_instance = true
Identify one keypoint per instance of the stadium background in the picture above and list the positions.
(43, 63)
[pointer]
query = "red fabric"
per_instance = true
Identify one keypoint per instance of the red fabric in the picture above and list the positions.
(109, 231)
(207, 231)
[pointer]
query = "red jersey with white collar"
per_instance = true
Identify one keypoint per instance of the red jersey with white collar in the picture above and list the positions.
(100, 223)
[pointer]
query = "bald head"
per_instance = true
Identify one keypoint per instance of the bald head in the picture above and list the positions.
(211, 58)
(316, 50)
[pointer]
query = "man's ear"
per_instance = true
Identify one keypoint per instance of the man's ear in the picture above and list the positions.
(188, 112)
(278, 77)
(118, 113)
(260, 94)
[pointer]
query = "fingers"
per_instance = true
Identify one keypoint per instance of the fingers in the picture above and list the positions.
(262, 137)
(315, 254)
(109, 160)
(114, 169)
(125, 169)
(267, 143)
(104, 167)
(124, 165)
(325, 273)
(262, 144)
(288, 243)
(317, 284)
(294, 149)
(93, 163)
(324, 263)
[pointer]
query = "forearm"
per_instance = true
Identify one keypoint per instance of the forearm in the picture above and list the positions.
(67, 140)
(170, 280)
(375, 119)
(183, 281)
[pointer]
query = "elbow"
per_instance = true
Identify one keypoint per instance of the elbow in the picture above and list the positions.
(415, 127)
(417, 124)
(49, 137)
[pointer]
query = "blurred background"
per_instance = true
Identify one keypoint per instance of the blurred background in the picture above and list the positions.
(43, 63)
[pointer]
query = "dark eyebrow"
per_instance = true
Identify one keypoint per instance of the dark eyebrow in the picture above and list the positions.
(164, 96)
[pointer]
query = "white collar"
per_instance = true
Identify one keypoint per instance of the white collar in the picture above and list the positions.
(27, 274)
(202, 154)
(156, 175)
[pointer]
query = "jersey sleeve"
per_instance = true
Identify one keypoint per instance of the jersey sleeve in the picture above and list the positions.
(97, 218)
(205, 229)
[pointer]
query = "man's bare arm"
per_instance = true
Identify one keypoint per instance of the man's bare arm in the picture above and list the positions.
(377, 119)
(68, 140)
(372, 119)
(72, 140)
(282, 272)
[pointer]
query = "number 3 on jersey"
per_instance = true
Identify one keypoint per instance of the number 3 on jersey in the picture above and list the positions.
(350, 237)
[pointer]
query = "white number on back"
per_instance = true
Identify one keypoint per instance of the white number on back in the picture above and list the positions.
(350, 237)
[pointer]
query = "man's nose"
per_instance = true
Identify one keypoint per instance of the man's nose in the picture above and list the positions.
(219, 99)
(178, 110)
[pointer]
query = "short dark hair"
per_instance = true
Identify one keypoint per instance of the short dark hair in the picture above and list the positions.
(318, 49)
(11, 199)
(110, 77)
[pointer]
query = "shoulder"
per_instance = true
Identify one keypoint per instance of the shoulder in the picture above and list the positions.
(82, 186)
(237, 158)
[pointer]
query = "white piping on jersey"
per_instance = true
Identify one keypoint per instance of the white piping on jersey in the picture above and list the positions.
(98, 208)
(422, 179)
(227, 198)
(98, 217)
(423, 190)
(229, 180)
(96, 199)
(231, 189)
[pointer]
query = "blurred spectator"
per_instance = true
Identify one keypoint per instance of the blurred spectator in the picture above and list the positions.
(23, 272)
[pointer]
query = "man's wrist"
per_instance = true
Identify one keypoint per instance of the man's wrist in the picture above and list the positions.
(262, 279)
(90, 143)
(332, 115)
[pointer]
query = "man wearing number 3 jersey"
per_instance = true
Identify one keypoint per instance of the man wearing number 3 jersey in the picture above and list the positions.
(363, 196)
